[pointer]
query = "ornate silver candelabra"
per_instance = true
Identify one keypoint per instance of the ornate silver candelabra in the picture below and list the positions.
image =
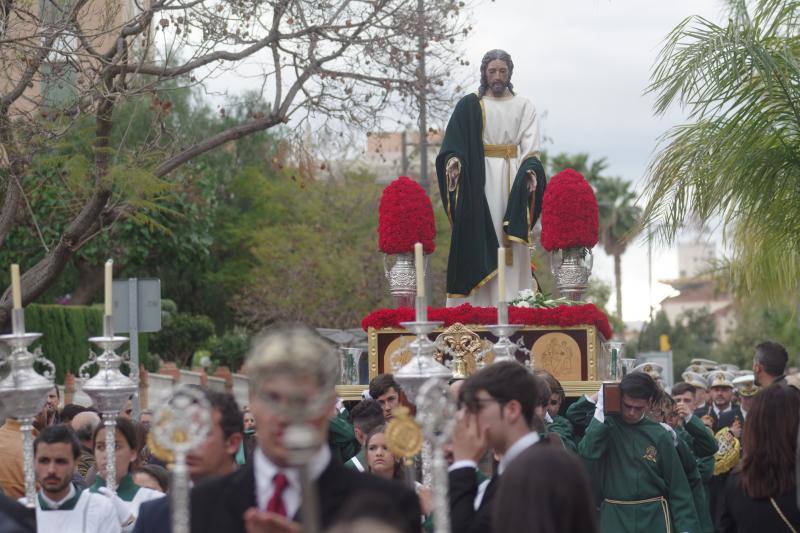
(504, 349)
(180, 424)
(437, 415)
(109, 389)
(423, 365)
(23, 392)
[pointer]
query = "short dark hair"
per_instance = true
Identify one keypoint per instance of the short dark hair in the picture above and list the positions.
(683, 388)
(542, 391)
(773, 357)
(367, 415)
(70, 411)
(504, 381)
(381, 383)
(56, 434)
(554, 385)
(639, 386)
(231, 418)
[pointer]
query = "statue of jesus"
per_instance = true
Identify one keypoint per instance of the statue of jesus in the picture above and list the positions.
(492, 184)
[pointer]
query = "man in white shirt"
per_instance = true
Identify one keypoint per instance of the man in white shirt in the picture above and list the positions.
(497, 412)
(60, 506)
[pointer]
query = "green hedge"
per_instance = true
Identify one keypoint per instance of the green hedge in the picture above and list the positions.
(65, 335)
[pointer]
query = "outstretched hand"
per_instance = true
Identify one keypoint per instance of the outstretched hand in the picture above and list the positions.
(531, 181)
(453, 172)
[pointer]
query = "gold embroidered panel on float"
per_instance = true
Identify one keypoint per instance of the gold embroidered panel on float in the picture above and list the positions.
(574, 355)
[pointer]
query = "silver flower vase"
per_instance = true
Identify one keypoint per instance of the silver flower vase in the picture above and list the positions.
(571, 269)
(402, 278)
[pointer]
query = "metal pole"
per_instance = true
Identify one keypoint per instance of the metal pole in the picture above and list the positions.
(422, 85)
(404, 153)
(133, 332)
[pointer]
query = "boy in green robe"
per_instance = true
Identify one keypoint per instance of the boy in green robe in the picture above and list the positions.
(636, 466)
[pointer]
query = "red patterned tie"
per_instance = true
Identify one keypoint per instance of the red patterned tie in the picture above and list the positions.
(275, 503)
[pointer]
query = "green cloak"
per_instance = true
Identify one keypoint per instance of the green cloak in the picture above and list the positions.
(473, 246)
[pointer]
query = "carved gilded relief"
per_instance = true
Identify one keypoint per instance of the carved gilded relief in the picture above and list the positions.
(559, 354)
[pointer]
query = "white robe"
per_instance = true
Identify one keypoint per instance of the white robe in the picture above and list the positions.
(93, 513)
(507, 120)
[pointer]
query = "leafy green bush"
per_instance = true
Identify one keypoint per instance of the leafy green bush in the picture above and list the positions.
(230, 349)
(180, 336)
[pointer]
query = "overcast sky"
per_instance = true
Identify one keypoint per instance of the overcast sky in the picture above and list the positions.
(585, 64)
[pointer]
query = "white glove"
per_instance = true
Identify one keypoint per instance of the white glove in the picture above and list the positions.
(123, 512)
(672, 431)
(598, 410)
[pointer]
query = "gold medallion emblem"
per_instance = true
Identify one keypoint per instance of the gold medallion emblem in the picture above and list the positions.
(651, 454)
(403, 434)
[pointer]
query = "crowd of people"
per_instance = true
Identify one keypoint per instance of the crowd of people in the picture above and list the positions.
(714, 453)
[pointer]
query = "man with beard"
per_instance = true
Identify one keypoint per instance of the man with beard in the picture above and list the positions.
(492, 184)
(60, 505)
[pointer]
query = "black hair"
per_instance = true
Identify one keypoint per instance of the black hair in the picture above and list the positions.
(639, 386)
(70, 411)
(157, 472)
(382, 383)
(231, 418)
(367, 415)
(56, 434)
(683, 388)
(773, 357)
(504, 381)
(490, 56)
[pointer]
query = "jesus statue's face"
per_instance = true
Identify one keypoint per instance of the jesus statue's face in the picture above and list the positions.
(497, 77)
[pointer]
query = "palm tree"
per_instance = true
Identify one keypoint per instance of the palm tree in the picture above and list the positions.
(737, 160)
(620, 222)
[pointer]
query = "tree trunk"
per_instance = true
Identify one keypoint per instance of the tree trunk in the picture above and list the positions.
(618, 282)
(90, 280)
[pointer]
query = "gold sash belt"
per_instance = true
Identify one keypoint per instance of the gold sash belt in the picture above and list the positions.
(658, 499)
(505, 151)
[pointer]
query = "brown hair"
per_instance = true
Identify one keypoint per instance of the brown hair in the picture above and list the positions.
(552, 382)
(129, 432)
(398, 471)
(528, 499)
(770, 442)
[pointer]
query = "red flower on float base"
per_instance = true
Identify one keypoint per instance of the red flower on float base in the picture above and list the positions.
(405, 217)
(564, 316)
(569, 212)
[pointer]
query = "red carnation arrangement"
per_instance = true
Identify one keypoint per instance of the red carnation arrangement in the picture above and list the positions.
(405, 217)
(569, 212)
(563, 315)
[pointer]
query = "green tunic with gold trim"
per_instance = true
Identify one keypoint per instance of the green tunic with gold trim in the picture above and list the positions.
(640, 476)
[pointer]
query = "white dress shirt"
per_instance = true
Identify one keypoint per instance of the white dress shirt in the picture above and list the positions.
(524, 442)
(719, 412)
(265, 470)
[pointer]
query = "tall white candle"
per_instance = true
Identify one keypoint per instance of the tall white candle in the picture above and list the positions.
(501, 274)
(420, 269)
(16, 292)
(108, 284)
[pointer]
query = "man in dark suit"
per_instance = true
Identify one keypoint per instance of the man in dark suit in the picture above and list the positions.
(722, 412)
(497, 412)
(215, 457)
(290, 371)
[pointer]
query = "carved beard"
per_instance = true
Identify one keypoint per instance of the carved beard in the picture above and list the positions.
(498, 88)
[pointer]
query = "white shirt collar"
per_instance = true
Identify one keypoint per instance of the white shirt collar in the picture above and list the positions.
(56, 504)
(547, 418)
(719, 411)
(524, 442)
(265, 470)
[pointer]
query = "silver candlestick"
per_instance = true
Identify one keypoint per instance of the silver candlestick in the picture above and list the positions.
(504, 349)
(109, 389)
(436, 414)
(23, 392)
(422, 365)
(180, 424)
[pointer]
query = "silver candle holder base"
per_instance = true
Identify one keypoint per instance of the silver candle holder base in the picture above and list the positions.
(23, 392)
(422, 365)
(504, 349)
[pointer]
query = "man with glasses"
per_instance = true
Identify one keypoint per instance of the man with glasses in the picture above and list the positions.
(496, 412)
(635, 465)
(292, 373)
